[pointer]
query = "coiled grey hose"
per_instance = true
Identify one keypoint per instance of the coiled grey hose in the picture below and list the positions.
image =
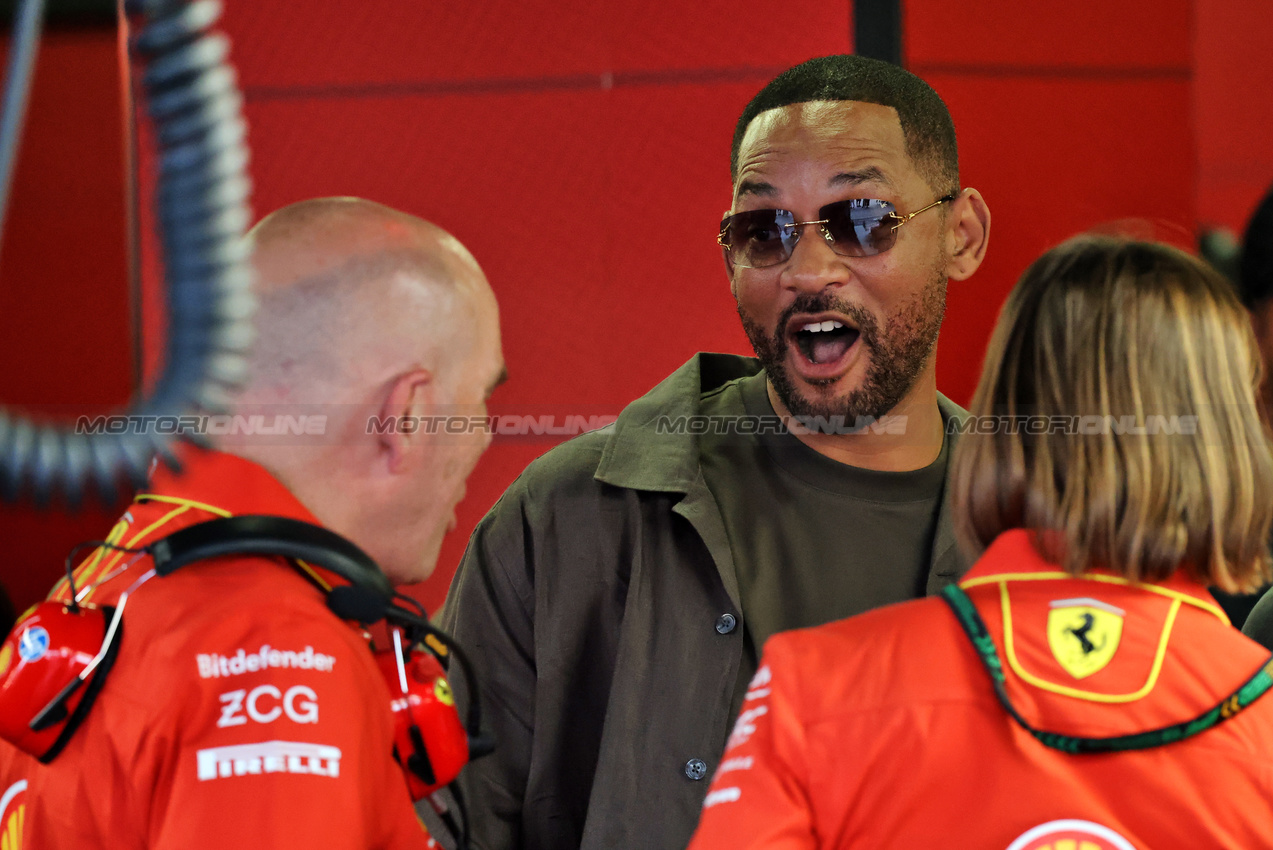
(193, 100)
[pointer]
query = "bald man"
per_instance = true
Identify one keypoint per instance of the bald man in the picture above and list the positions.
(240, 712)
(368, 315)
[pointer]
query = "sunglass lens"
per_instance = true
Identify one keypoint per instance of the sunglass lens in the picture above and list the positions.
(757, 238)
(861, 227)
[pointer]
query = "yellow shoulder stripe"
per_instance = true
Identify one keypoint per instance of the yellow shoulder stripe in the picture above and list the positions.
(85, 573)
(183, 505)
(1186, 598)
(1078, 693)
(116, 556)
(177, 500)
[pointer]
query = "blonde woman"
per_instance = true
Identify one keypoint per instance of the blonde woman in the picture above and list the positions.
(1080, 688)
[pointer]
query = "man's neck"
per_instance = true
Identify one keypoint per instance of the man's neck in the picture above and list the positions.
(907, 438)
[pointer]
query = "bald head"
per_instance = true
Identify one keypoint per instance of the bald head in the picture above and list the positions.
(315, 236)
(369, 315)
(351, 292)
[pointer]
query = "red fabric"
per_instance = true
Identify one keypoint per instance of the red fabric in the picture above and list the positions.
(883, 731)
(309, 711)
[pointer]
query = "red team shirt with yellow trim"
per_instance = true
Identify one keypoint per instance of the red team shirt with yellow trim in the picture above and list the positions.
(240, 711)
(883, 730)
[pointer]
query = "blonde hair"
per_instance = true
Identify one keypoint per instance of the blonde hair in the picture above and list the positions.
(1115, 416)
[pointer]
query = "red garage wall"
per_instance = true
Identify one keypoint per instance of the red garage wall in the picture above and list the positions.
(65, 339)
(554, 138)
(1072, 115)
(1233, 108)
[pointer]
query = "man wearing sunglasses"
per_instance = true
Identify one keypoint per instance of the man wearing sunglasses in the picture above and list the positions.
(618, 595)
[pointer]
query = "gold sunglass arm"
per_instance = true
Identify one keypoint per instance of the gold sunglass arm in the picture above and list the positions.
(902, 219)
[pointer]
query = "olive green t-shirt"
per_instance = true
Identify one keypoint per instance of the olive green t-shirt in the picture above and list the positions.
(813, 539)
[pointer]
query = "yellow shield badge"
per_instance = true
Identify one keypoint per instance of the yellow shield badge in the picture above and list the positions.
(1083, 634)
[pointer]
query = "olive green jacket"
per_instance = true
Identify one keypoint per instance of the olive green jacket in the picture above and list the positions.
(591, 600)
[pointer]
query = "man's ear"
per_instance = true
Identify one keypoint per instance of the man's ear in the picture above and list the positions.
(967, 234)
(409, 396)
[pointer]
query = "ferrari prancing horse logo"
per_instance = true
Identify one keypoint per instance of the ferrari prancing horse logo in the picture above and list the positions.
(1084, 634)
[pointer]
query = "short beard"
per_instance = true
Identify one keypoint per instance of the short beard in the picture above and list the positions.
(898, 353)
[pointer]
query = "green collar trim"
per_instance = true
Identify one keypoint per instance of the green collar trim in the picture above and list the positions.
(973, 626)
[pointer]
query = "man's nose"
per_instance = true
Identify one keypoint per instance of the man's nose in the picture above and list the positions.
(814, 265)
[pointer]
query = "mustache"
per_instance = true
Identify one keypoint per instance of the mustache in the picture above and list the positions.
(825, 302)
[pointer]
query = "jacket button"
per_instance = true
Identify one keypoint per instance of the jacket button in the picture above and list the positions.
(695, 769)
(725, 623)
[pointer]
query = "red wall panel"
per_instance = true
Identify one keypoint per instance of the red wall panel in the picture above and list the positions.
(1086, 37)
(1233, 108)
(1071, 115)
(63, 261)
(65, 340)
(1056, 157)
(352, 43)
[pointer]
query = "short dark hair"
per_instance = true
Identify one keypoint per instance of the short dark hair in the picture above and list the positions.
(1255, 276)
(926, 124)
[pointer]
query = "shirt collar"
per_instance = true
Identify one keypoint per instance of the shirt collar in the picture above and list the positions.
(650, 446)
(226, 482)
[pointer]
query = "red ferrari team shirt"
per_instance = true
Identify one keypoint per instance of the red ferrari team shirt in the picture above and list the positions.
(883, 730)
(240, 711)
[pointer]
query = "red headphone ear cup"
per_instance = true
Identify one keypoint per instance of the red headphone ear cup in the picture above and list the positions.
(47, 649)
(429, 737)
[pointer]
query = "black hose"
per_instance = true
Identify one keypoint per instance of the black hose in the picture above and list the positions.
(192, 97)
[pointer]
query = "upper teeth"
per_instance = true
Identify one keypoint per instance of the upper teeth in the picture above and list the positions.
(814, 327)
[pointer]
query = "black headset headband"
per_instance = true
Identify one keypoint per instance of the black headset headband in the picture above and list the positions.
(368, 598)
(269, 535)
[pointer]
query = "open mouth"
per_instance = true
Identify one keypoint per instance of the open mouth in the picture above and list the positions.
(825, 342)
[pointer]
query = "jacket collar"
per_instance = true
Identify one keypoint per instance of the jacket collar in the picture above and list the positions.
(228, 485)
(1012, 555)
(206, 478)
(639, 455)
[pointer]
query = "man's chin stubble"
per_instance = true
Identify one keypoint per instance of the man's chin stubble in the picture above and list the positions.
(891, 372)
